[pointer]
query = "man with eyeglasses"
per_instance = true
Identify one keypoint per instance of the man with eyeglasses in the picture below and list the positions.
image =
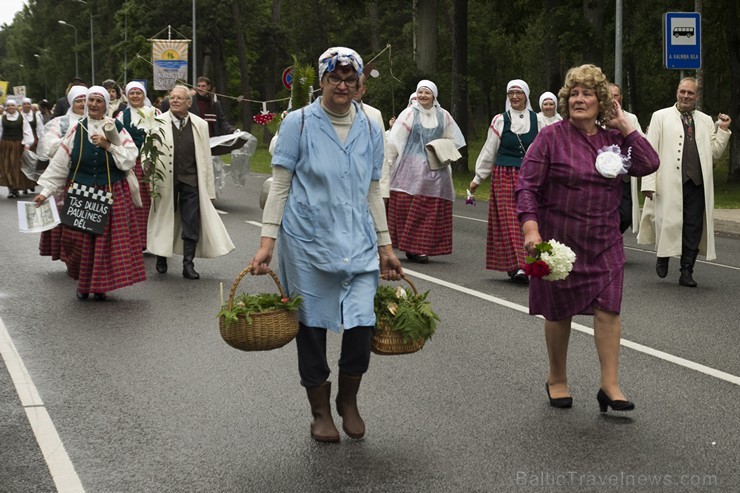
(326, 205)
(182, 219)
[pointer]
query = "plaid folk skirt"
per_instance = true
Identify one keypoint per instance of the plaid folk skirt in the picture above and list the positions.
(505, 241)
(419, 224)
(103, 263)
(142, 213)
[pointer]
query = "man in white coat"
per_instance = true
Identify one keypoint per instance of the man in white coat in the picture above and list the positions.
(629, 208)
(183, 219)
(375, 116)
(681, 192)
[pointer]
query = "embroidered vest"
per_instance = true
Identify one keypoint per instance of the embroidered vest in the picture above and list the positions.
(13, 130)
(93, 170)
(513, 146)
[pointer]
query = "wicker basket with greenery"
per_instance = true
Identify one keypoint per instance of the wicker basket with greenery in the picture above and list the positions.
(258, 322)
(404, 320)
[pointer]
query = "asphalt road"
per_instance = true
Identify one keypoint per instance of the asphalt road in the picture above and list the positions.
(145, 396)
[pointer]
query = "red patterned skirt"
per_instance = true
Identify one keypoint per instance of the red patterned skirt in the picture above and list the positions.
(420, 225)
(505, 241)
(142, 213)
(109, 261)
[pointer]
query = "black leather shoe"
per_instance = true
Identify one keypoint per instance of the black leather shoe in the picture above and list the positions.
(687, 279)
(100, 297)
(520, 277)
(162, 265)
(561, 402)
(82, 296)
(661, 266)
(605, 402)
(418, 258)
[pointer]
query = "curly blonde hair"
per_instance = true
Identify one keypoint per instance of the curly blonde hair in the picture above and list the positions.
(592, 77)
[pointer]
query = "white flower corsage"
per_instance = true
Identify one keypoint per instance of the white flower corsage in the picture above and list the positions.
(611, 163)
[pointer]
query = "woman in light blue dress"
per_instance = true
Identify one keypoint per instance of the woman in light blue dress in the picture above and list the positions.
(326, 208)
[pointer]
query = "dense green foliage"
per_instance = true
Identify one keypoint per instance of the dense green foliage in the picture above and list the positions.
(536, 40)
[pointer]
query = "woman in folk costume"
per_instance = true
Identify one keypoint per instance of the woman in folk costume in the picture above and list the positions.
(420, 206)
(16, 135)
(130, 117)
(509, 136)
(548, 110)
(50, 243)
(112, 260)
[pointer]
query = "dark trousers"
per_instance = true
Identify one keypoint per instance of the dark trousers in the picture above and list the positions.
(693, 218)
(186, 200)
(312, 364)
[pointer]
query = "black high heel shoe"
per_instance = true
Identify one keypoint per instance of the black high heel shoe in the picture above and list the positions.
(561, 402)
(605, 402)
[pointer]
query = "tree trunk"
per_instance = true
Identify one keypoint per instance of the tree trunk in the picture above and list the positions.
(372, 12)
(553, 77)
(246, 113)
(425, 36)
(733, 51)
(593, 11)
(271, 65)
(459, 107)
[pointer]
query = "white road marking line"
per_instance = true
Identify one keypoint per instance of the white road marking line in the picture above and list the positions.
(470, 218)
(60, 466)
(636, 249)
(727, 377)
(716, 264)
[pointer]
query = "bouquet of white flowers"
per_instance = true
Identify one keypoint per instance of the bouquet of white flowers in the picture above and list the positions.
(553, 261)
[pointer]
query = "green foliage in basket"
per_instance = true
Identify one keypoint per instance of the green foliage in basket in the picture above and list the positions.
(405, 312)
(250, 304)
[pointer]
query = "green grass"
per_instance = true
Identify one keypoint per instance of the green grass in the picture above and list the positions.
(726, 195)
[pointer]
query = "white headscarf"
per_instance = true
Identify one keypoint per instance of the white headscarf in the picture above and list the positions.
(76, 92)
(548, 95)
(412, 98)
(429, 85)
(339, 56)
(518, 84)
(11, 102)
(135, 84)
(27, 100)
(102, 92)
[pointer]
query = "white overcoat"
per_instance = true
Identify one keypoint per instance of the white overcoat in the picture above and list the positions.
(164, 229)
(667, 138)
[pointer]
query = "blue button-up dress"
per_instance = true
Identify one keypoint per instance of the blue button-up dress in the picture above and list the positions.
(327, 245)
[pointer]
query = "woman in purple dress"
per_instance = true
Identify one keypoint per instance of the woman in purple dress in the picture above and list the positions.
(561, 195)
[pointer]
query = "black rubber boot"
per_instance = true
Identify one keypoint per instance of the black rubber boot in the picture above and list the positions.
(687, 269)
(188, 254)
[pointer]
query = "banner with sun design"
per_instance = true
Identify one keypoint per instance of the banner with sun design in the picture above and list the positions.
(170, 61)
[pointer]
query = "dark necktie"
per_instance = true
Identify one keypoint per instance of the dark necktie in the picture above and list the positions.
(688, 121)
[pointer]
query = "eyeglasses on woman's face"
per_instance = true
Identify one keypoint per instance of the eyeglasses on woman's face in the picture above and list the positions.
(350, 81)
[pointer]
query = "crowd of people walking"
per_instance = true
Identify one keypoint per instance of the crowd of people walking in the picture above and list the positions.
(345, 193)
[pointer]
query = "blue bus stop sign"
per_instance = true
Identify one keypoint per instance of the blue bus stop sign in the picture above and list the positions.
(682, 40)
